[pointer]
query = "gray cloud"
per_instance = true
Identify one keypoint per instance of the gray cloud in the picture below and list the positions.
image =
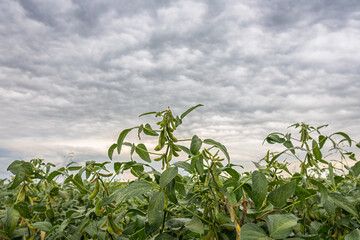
(74, 74)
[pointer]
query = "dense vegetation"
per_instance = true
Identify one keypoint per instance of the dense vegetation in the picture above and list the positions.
(198, 194)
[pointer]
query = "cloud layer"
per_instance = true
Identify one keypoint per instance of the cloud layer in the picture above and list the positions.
(73, 74)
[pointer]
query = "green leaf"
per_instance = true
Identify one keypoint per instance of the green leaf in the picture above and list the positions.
(346, 137)
(134, 189)
(42, 226)
(121, 138)
(281, 226)
(343, 203)
(185, 149)
(74, 168)
(279, 196)
(148, 113)
(198, 164)
(274, 138)
(195, 145)
(15, 166)
(252, 231)
(356, 169)
(195, 225)
(259, 188)
(175, 224)
(354, 235)
(219, 146)
(168, 175)
(358, 144)
(170, 192)
(232, 172)
(288, 144)
(316, 151)
(111, 151)
(23, 209)
(12, 218)
(149, 131)
(143, 152)
(52, 175)
(322, 140)
(117, 167)
(184, 165)
(323, 191)
(19, 178)
(155, 209)
(189, 110)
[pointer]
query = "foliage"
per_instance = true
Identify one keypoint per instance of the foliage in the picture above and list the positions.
(201, 196)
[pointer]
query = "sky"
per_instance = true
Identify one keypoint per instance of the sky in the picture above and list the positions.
(74, 74)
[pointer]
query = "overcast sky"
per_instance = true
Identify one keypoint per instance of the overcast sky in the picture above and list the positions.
(73, 74)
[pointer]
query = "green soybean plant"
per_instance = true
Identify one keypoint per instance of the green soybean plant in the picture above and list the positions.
(197, 194)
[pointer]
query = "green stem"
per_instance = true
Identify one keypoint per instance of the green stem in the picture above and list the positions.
(194, 213)
(242, 184)
(154, 184)
(137, 232)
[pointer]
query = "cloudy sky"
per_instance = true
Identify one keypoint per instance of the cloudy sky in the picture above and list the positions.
(73, 74)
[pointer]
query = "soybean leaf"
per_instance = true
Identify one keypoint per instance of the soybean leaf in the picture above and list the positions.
(343, 203)
(322, 140)
(281, 226)
(316, 150)
(185, 149)
(323, 191)
(184, 165)
(42, 226)
(52, 175)
(134, 189)
(219, 146)
(155, 209)
(176, 224)
(356, 169)
(117, 167)
(259, 188)
(252, 231)
(149, 131)
(288, 144)
(74, 168)
(354, 235)
(279, 196)
(195, 225)
(189, 110)
(143, 152)
(19, 178)
(148, 113)
(346, 137)
(23, 209)
(198, 164)
(111, 150)
(121, 138)
(168, 175)
(274, 138)
(15, 166)
(140, 129)
(195, 145)
(12, 218)
(232, 172)
(170, 192)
